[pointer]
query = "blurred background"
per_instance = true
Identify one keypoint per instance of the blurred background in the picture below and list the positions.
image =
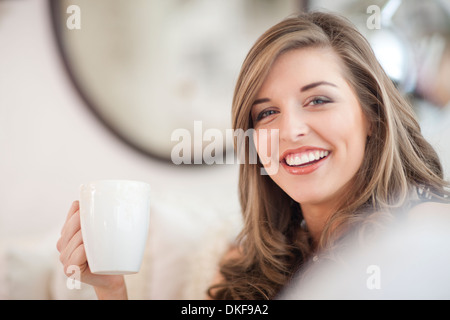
(96, 90)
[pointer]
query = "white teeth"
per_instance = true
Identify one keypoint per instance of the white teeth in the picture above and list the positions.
(296, 160)
(304, 158)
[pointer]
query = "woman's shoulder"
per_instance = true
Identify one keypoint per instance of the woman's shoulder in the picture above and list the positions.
(436, 211)
(430, 207)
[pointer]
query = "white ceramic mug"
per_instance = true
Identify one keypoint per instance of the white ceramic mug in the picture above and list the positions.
(114, 224)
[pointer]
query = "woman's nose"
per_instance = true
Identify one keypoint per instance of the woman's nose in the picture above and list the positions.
(293, 126)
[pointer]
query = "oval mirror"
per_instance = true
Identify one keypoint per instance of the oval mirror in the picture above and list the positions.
(147, 68)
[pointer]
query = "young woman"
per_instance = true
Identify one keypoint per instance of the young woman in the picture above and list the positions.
(349, 149)
(349, 145)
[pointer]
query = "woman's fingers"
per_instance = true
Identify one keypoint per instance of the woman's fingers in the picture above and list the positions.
(71, 227)
(70, 244)
(73, 208)
(78, 256)
(67, 251)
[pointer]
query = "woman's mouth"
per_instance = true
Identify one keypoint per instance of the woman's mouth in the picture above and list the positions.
(305, 158)
(304, 161)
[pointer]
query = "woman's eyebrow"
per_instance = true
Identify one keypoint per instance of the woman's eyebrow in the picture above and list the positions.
(258, 101)
(302, 89)
(316, 84)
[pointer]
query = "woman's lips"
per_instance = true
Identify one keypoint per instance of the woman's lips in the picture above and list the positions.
(303, 160)
(299, 159)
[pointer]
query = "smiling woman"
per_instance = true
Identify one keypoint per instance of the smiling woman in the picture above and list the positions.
(320, 117)
(351, 152)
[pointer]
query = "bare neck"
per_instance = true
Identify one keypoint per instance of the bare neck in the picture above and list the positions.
(316, 217)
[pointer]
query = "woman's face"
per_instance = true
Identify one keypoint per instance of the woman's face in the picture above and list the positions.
(322, 129)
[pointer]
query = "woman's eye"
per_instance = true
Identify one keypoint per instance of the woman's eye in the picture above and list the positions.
(319, 100)
(264, 114)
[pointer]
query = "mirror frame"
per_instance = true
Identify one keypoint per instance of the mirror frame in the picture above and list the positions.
(55, 11)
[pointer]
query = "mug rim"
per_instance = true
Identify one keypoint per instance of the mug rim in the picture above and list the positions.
(113, 181)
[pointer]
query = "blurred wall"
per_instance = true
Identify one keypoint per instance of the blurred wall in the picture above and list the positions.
(50, 142)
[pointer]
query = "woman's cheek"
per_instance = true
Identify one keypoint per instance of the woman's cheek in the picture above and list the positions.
(267, 143)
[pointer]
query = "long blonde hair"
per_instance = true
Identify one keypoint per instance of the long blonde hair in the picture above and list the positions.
(397, 159)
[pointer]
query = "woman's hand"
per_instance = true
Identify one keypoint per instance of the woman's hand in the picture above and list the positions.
(72, 253)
